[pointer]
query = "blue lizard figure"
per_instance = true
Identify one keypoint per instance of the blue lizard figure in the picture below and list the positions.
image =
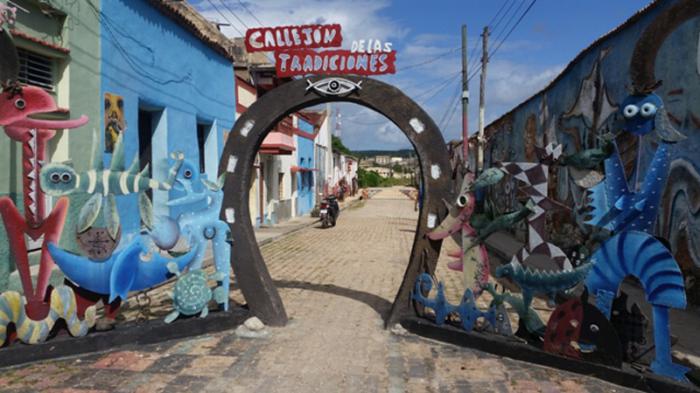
(631, 214)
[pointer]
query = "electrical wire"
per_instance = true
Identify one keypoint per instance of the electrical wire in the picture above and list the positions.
(513, 28)
(226, 18)
(431, 60)
(233, 13)
(250, 13)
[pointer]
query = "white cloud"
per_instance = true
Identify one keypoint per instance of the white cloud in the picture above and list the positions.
(508, 84)
(360, 19)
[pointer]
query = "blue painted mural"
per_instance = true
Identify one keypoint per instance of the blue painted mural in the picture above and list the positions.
(164, 104)
(305, 176)
(582, 104)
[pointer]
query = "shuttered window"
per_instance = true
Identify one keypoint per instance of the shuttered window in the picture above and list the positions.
(36, 70)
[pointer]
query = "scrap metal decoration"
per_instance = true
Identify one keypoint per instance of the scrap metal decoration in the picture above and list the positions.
(333, 86)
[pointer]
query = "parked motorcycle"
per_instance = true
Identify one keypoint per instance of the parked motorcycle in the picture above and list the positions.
(329, 211)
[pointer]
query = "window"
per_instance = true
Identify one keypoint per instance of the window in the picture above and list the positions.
(202, 135)
(36, 70)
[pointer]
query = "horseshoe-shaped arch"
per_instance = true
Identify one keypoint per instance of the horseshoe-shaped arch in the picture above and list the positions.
(245, 139)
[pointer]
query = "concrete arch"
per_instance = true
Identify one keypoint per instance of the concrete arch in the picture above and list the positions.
(245, 139)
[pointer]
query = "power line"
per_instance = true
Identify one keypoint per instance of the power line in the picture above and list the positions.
(454, 102)
(510, 19)
(497, 13)
(474, 60)
(513, 28)
(439, 90)
(226, 18)
(431, 60)
(529, 7)
(422, 82)
(504, 14)
(233, 13)
(250, 13)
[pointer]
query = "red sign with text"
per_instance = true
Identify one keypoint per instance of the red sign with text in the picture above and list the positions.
(295, 54)
(267, 39)
(339, 61)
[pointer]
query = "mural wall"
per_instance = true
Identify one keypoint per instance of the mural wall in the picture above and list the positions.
(583, 103)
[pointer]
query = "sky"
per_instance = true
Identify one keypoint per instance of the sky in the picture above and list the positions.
(427, 38)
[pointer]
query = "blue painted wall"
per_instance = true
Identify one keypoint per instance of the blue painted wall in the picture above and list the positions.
(305, 180)
(154, 63)
(547, 117)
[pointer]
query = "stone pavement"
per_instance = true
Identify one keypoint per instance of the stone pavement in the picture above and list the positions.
(336, 283)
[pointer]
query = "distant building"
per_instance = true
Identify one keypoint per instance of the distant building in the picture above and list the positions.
(396, 160)
(380, 170)
(382, 160)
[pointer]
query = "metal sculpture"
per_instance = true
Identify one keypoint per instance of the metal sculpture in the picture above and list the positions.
(58, 179)
(579, 330)
(638, 254)
(31, 331)
(134, 268)
(533, 282)
(631, 215)
(201, 223)
(535, 176)
(529, 319)
(192, 294)
(631, 326)
(17, 106)
(473, 259)
(467, 310)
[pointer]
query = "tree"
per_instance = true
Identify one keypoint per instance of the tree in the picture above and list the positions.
(368, 179)
(338, 145)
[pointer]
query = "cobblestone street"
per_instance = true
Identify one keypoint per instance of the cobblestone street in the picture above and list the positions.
(336, 284)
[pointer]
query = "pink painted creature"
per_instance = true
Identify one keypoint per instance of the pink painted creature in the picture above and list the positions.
(473, 260)
(17, 106)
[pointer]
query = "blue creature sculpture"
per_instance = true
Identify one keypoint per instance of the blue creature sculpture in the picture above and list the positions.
(200, 223)
(630, 214)
(132, 268)
(467, 310)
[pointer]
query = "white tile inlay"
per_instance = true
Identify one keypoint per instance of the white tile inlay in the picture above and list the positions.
(247, 127)
(232, 161)
(417, 125)
(230, 215)
(434, 171)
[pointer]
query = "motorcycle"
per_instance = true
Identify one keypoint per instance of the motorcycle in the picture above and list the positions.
(329, 211)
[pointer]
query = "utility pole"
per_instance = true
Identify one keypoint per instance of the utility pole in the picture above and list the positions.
(482, 93)
(465, 99)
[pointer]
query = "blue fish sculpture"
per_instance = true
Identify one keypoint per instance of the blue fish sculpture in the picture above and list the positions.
(132, 268)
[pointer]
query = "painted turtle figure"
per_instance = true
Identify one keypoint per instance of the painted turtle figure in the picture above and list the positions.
(192, 293)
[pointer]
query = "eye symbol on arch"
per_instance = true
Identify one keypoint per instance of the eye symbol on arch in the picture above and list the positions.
(333, 86)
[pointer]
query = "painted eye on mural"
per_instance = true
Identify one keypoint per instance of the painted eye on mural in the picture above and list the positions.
(334, 86)
(188, 174)
(648, 109)
(630, 111)
(462, 200)
(66, 177)
(20, 103)
(55, 178)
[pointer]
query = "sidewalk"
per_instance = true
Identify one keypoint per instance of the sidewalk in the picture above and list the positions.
(266, 234)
